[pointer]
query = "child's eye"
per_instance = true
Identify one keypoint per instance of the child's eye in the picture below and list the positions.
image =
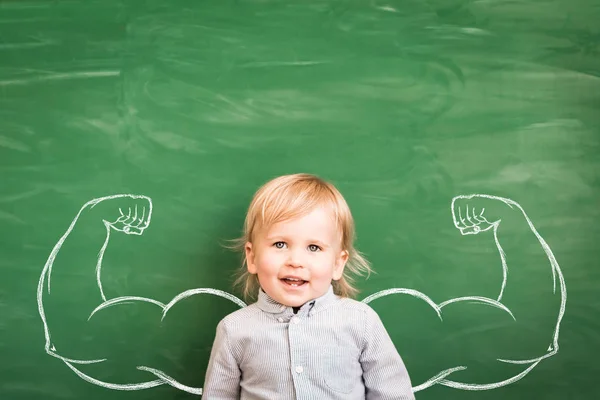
(279, 245)
(313, 247)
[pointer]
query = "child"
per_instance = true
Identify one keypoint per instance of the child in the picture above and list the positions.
(304, 338)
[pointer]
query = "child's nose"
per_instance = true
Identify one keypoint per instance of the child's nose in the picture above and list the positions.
(294, 259)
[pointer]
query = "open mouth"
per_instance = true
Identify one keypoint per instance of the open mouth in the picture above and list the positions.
(294, 282)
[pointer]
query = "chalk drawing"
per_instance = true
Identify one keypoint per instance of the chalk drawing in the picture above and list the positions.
(133, 221)
(466, 217)
(472, 221)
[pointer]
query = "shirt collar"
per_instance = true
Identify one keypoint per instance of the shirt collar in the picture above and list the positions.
(267, 304)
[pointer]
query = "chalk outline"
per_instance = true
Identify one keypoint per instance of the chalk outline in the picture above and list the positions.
(474, 226)
(126, 224)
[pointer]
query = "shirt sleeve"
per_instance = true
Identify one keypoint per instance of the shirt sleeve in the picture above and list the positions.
(223, 374)
(384, 372)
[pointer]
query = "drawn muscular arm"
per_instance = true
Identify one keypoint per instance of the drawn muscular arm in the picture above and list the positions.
(79, 253)
(532, 279)
(85, 328)
(93, 333)
(70, 289)
(532, 291)
(509, 333)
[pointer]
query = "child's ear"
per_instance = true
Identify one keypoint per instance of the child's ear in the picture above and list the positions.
(250, 258)
(340, 263)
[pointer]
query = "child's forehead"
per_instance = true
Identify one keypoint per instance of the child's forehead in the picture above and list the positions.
(319, 220)
(316, 217)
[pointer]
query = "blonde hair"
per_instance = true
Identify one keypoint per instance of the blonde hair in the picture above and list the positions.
(291, 196)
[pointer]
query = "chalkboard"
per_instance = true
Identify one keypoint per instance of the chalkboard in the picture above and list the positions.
(465, 136)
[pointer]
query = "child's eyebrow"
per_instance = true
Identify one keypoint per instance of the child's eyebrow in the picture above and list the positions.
(272, 238)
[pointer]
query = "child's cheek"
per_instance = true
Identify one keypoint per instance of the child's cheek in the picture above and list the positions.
(322, 266)
(273, 259)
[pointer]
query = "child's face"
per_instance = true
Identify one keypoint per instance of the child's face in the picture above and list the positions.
(296, 260)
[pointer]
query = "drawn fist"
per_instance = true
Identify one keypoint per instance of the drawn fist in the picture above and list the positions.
(125, 213)
(477, 213)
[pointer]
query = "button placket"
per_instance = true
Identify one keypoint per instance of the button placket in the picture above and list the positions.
(297, 360)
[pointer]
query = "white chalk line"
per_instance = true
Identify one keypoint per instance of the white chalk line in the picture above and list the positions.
(486, 386)
(435, 379)
(479, 300)
(192, 292)
(116, 386)
(172, 381)
(410, 292)
(125, 300)
(100, 257)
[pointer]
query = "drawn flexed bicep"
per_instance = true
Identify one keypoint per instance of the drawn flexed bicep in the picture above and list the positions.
(487, 327)
(71, 256)
(122, 334)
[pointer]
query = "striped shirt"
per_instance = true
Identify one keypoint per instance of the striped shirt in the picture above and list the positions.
(333, 348)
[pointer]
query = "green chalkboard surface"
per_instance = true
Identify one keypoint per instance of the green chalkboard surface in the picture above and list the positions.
(465, 135)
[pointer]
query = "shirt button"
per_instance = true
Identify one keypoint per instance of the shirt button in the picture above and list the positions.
(280, 319)
(299, 369)
(282, 308)
(296, 320)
